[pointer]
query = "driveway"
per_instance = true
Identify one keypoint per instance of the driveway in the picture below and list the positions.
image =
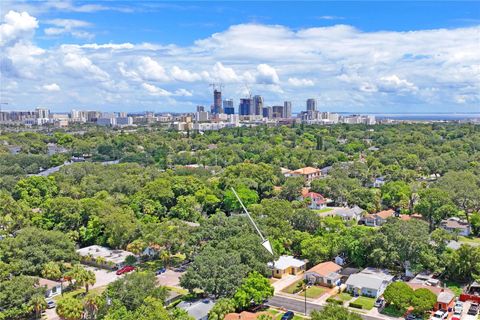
(103, 277)
(51, 314)
(286, 281)
(169, 278)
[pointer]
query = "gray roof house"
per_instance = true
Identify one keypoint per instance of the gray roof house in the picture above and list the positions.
(197, 309)
(369, 282)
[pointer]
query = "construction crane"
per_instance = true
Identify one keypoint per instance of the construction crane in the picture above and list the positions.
(216, 86)
(249, 92)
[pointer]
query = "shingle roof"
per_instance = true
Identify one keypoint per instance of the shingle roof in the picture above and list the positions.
(325, 268)
(306, 170)
(445, 297)
(285, 262)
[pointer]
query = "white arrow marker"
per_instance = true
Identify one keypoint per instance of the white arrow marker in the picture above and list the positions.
(265, 243)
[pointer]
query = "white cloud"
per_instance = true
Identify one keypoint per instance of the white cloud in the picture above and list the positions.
(84, 67)
(68, 26)
(51, 87)
(330, 18)
(393, 82)
(429, 68)
(17, 25)
(184, 75)
(266, 74)
(156, 91)
(224, 74)
(146, 68)
(296, 82)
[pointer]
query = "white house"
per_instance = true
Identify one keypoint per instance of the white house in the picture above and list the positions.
(369, 282)
(286, 265)
(316, 200)
(53, 288)
(457, 226)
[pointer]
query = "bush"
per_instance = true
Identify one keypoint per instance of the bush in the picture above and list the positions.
(335, 301)
(355, 305)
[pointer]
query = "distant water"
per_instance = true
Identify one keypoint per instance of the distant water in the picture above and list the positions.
(421, 116)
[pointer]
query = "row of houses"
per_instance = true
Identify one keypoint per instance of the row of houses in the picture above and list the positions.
(370, 282)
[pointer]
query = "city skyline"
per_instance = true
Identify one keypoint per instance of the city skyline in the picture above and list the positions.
(162, 56)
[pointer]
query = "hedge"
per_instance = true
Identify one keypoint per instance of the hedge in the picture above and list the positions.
(355, 305)
(335, 301)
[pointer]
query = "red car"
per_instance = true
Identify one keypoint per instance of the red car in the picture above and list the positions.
(125, 269)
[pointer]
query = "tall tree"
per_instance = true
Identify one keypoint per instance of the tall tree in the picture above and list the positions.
(254, 289)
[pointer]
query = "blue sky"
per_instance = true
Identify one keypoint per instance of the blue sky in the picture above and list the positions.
(351, 55)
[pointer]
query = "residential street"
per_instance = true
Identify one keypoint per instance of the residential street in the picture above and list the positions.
(299, 307)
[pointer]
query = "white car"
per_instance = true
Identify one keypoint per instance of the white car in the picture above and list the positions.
(458, 307)
(439, 315)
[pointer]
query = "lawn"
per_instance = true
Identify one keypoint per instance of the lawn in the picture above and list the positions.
(472, 240)
(455, 287)
(324, 210)
(344, 296)
(294, 287)
(366, 302)
(315, 291)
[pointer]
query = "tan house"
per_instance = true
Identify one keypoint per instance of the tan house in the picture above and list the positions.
(309, 173)
(379, 218)
(325, 274)
(287, 265)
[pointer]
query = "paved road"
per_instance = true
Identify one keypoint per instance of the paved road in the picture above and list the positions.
(299, 306)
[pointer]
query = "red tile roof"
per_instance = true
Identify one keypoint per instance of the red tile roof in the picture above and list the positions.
(325, 268)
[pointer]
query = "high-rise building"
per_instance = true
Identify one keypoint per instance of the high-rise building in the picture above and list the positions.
(267, 112)
(277, 112)
(257, 104)
(200, 108)
(228, 107)
(42, 113)
(245, 108)
(311, 104)
(287, 109)
(217, 101)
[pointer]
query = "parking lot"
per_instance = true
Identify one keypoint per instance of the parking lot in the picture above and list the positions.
(103, 277)
(465, 316)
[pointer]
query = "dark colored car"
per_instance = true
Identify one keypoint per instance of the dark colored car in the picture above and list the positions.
(160, 271)
(473, 309)
(125, 269)
(379, 303)
(288, 315)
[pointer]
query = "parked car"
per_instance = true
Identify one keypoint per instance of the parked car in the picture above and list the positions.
(456, 316)
(458, 307)
(412, 316)
(440, 315)
(160, 271)
(51, 304)
(473, 309)
(288, 315)
(125, 269)
(379, 303)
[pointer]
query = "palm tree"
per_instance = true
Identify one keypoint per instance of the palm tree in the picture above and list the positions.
(165, 256)
(82, 276)
(69, 308)
(37, 303)
(51, 270)
(88, 279)
(91, 303)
